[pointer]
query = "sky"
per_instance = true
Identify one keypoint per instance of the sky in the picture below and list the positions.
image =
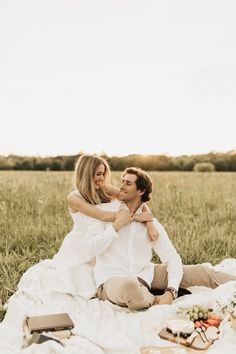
(117, 76)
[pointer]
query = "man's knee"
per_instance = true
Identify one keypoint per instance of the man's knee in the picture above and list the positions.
(136, 296)
(122, 291)
(131, 285)
(130, 289)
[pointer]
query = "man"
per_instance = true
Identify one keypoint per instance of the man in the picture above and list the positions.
(123, 272)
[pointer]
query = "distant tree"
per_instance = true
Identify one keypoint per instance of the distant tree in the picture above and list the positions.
(222, 162)
(6, 164)
(232, 161)
(69, 163)
(41, 164)
(117, 164)
(56, 164)
(219, 161)
(204, 167)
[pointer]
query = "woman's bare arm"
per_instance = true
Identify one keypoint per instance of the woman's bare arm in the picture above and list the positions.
(76, 203)
(146, 216)
(112, 191)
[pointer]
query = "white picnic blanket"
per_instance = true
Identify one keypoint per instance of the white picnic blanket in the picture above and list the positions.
(101, 327)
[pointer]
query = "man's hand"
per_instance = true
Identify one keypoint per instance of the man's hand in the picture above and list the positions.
(123, 217)
(165, 299)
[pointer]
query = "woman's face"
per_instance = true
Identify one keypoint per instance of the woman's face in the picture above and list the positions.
(99, 176)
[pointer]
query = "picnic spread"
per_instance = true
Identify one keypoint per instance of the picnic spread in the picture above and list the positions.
(101, 327)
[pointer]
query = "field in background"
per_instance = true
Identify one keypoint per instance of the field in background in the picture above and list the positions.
(198, 210)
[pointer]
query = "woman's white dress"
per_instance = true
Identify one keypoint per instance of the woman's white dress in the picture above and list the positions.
(71, 269)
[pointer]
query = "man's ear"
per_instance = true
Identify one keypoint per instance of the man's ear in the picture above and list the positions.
(142, 192)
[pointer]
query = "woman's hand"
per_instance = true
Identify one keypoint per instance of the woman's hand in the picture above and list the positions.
(146, 216)
(143, 217)
(152, 231)
(122, 218)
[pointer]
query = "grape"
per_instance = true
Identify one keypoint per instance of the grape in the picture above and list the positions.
(194, 313)
(200, 315)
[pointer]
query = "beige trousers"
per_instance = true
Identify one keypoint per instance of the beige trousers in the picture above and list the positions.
(129, 292)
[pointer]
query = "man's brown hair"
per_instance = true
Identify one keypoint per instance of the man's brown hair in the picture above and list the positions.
(143, 181)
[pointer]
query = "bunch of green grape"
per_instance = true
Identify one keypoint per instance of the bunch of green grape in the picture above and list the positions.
(194, 313)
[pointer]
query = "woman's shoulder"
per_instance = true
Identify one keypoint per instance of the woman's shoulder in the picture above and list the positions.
(75, 192)
(73, 198)
(74, 195)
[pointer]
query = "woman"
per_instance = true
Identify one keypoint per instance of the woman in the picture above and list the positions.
(71, 269)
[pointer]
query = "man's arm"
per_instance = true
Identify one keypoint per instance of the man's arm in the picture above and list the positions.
(169, 256)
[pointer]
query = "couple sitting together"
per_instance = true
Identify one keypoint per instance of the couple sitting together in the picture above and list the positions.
(108, 252)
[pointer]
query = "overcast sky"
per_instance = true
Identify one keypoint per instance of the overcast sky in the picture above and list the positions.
(124, 76)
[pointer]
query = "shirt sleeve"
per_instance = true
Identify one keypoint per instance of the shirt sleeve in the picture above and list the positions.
(169, 256)
(98, 237)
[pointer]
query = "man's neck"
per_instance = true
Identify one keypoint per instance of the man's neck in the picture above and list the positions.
(133, 205)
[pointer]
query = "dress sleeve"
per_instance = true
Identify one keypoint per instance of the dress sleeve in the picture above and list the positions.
(98, 238)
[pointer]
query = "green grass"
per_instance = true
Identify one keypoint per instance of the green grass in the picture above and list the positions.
(198, 211)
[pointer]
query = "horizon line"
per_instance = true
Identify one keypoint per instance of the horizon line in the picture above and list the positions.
(120, 156)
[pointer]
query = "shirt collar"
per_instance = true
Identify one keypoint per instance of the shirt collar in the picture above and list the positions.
(138, 211)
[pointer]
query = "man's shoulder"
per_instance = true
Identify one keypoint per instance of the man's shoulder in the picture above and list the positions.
(160, 228)
(157, 223)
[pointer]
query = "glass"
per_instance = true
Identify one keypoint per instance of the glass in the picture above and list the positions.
(159, 350)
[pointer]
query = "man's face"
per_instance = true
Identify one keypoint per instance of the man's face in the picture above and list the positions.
(128, 188)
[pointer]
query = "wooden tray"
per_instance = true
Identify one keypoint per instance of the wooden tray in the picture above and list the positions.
(168, 350)
(197, 344)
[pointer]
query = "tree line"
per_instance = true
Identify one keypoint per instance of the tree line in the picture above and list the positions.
(200, 162)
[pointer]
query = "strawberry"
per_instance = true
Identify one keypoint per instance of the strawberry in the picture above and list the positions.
(212, 322)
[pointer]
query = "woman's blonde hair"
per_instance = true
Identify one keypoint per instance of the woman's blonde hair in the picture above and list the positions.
(85, 170)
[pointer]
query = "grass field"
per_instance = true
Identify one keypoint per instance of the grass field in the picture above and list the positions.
(198, 211)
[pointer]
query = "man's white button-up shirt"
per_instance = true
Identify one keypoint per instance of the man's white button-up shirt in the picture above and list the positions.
(128, 252)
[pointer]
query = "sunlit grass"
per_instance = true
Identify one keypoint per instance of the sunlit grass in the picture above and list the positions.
(197, 210)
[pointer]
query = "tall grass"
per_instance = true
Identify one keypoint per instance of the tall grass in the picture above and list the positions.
(198, 210)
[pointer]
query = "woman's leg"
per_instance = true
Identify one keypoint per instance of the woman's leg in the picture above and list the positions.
(127, 292)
